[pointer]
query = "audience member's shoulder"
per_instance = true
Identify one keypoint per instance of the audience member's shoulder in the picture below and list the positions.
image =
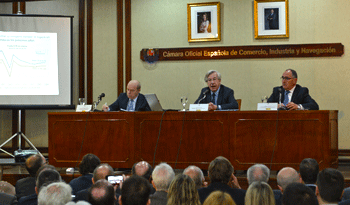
(346, 202)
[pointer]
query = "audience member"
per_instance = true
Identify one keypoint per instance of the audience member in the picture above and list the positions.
(7, 193)
(162, 176)
(45, 177)
(259, 192)
(298, 194)
(26, 186)
(258, 172)
(330, 186)
(135, 191)
(196, 174)
(86, 167)
(57, 193)
(183, 191)
(219, 198)
(287, 176)
(100, 172)
(308, 170)
(102, 193)
(220, 174)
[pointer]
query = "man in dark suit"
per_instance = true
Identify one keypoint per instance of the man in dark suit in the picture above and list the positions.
(132, 100)
(308, 170)
(221, 174)
(297, 193)
(135, 191)
(102, 192)
(218, 96)
(330, 186)
(293, 96)
(272, 18)
(7, 193)
(162, 176)
(26, 186)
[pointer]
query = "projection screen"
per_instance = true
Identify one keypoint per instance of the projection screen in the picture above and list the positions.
(36, 62)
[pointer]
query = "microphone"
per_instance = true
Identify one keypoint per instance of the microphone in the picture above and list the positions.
(101, 96)
(204, 93)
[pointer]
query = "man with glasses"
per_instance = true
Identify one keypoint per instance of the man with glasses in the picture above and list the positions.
(291, 95)
(219, 97)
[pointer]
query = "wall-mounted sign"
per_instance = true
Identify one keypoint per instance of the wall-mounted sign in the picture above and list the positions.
(241, 52)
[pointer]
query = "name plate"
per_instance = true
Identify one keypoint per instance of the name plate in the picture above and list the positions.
(83, 108)
(199, 107)
(267, 106)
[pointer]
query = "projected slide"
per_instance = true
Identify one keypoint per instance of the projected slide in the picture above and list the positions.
(28, 63)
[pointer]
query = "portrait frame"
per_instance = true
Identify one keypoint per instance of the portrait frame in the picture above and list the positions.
(203, 22)
(271, 19)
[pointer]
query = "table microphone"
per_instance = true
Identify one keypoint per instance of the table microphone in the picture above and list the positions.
(204, 93)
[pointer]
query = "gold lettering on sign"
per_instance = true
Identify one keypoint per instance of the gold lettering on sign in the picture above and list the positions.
(173, 54)
(318, 51)
(282, 51)
(216, 53)
(193, 53)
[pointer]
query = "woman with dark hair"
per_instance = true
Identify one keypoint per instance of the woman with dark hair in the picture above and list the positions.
(182, 191)
(86, 168)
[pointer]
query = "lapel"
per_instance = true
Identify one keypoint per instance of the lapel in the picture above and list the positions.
(295, 93)
(220, 97)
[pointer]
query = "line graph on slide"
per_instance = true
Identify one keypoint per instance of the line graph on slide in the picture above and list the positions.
(28, 63)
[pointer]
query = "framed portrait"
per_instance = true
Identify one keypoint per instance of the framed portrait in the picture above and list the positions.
(203, 22)
(271, 19)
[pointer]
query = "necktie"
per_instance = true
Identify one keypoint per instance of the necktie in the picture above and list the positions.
(212, 98)
(131, 105)
(286, 99)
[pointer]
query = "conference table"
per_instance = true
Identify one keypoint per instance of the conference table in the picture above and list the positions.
(274, 138)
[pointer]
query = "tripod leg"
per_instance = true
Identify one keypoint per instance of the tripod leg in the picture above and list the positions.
(30, 143)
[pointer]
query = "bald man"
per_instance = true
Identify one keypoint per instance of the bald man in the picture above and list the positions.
(132, 100)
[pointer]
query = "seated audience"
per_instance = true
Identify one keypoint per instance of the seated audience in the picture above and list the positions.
(197, 175)
(285, 177)
(7, 193)
(221, 174)
(258, 172)
(57, 193)
(26, 186)
(162, 176)
(298, 193)
(308, 170)
(135, 191)
(86, 167)
(219, 198)
(102, 193)
(183, 191)
(259, 193)
(330, 186)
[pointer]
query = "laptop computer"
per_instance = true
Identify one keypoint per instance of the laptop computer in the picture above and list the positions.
(153, 102)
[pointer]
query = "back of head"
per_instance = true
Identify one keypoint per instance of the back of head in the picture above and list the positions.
(309, 169)
(196, 174)
(220, 170)
(47, 177)
(57, 193)
(101, 192)
(219, 198)
(259, 193)
(183, 190)
(162, 176)
(33, 163)
(135, 191)
(44, 167)
(142, 169)
(88, 164)
(287, 176)
(330, 185)
(297, 193)
(7, 188)
(258, 172)
(101, 171)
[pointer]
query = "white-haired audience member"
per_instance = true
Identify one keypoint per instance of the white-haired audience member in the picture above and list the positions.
(57, 193)
(197, 175)
(162, 176)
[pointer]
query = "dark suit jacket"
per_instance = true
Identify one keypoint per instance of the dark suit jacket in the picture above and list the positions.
(80, 183)
(346, 202)
(236, 194)
(226, 98)
(28, 200)
(7, 199)
(278, 196)
(122, 103)
(25, 187)
(159, 198)
(300, 96)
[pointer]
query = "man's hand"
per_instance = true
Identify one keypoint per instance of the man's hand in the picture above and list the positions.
(211, 106)
(234, 182)
(105, 108)
(292, 106)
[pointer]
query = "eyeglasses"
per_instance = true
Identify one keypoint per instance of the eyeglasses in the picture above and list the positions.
(285, 78)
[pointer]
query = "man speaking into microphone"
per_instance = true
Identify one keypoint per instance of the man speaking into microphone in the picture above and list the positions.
(291, 95)
(132, 100)
(219, 97)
